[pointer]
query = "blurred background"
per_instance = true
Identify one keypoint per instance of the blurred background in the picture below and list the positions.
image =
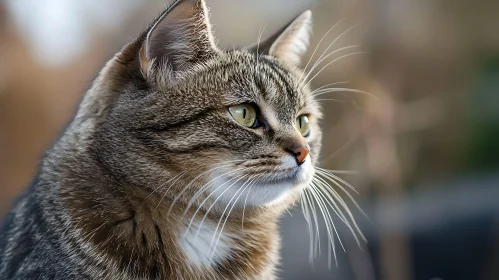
(426, 148)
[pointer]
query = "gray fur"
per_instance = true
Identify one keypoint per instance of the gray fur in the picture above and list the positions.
(84, 215)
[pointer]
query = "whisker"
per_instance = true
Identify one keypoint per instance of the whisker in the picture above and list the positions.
(206, 199)
(348, 172)
(334, 60)
(328, 174)
(197, 177)
(218, 224)
(347, 210)
(243, 187)
(311, 203)
(306, 214)
(318, 62)
(231, 180)
(316, 47)
(331, 84)
(166, 191)
(213, 204)
(322, 92)
(328, 47)
(245, 200)
(328, 220)
(163, 184)
(333, 179)
(258, 43)
(330, 99)
(205, 187)
(331, 202)
(323, 188)
(336, 40)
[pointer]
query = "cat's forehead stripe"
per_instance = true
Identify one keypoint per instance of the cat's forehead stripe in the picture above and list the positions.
(282, 99)
(280, 77)
(283, 76)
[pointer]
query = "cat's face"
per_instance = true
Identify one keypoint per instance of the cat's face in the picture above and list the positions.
(195, 121)
(275, 153)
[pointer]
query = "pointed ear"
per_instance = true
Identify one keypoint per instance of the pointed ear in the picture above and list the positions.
(179, 38)
(291, 43)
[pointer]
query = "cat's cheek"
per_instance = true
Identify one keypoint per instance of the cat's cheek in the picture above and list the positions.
(261, 193)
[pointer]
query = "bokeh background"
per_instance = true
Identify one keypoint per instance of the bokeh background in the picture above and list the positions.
(426, 148)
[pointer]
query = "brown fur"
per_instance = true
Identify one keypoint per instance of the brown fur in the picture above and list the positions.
(156, 114)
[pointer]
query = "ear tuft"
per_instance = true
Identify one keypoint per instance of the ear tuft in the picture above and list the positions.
(293, 42)
(179, 38)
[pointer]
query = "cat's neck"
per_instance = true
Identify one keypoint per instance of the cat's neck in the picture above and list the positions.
(142, 235)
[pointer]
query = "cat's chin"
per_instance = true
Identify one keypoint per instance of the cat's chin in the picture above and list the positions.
(269, 191)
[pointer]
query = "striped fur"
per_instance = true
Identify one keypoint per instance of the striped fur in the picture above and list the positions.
(118, 194)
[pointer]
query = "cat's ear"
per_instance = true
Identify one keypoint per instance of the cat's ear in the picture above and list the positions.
(180, 37)
(291, 43)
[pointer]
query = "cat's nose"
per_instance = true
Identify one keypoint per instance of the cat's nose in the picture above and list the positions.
(300, 152)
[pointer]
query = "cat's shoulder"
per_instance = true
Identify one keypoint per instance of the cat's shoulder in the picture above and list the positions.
(26, 251)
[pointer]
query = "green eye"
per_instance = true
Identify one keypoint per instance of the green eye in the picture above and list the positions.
(244, 114)
(302, 125)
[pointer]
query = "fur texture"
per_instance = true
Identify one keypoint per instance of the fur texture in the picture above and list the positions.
(153, 168)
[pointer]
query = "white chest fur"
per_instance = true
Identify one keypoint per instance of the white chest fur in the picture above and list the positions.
(204, 247)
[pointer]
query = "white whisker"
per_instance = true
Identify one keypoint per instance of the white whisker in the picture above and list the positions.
(318, 62)
(196, 178)
(258, 42)
(207, 186)
(255, 181)
(163, 184)
(306, 214)
(348, 172)
(325, 51)
(166, 191)
(330, 99)
(334, 60)
(328, 220)
(328, 174)
(214, 202)
(316, 47)
(324, 91)
(331, 202)
(213, 192)
(243, 187)
(311, 204)
(335, 194)
(330, 197)
(331, 84)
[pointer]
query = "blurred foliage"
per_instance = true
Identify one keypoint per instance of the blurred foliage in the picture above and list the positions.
(483, 121)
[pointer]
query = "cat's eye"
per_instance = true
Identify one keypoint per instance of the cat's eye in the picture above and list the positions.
(244, 114)
(302, 125)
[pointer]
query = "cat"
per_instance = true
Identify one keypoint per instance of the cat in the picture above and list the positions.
(178, 163)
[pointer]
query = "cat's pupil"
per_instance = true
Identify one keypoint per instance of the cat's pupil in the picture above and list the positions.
(244, 113)
(299, 122)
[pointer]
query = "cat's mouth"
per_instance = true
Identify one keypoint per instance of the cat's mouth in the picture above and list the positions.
(293, 175)
(263, 187)
(285, 171)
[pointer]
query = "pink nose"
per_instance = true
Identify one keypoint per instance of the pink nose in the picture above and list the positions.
(300, 152)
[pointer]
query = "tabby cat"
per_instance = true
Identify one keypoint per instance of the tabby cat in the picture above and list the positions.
(177, 164)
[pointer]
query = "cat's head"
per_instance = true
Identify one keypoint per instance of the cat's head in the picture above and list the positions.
(176, 116)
